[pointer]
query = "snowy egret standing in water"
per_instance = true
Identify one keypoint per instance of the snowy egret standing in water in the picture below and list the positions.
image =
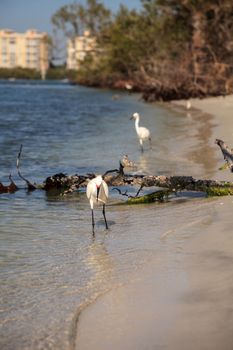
(142, 132)
(97, 193)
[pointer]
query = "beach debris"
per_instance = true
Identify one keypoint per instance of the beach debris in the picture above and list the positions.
(223, 167)
(9, 188)
(65, 184)
(30, 186)
(68, 184)
(157, 196)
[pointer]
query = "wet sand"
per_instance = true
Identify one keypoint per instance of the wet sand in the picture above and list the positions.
(221, 108)
(183, 299)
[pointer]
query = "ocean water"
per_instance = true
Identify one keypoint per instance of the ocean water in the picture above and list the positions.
(51, 267)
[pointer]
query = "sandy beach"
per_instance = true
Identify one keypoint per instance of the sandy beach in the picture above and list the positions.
(221, 109)
(182, 299)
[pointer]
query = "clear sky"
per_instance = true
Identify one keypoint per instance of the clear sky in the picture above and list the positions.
(20, 15)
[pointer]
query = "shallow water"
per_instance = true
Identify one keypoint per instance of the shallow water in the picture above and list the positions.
(180, 297)
(51, 267)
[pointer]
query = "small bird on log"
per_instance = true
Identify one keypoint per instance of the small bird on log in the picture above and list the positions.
(142, 132)
(97, 193)
(126, 162)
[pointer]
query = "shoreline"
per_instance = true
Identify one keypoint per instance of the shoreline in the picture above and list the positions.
(214, 106)
(183, 307)
(220, 108)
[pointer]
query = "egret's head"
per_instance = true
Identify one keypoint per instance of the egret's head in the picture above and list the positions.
(135, 116)
(98, 182)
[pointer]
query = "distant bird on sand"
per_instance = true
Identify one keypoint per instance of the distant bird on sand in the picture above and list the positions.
(143, 133)
(97, 193)
(188, 104)
(128, 87)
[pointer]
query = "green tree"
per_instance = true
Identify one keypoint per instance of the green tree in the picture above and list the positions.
(210, 29)
(178, 46)
(73, 19)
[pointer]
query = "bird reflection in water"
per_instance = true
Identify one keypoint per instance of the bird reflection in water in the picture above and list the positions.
(100, 264)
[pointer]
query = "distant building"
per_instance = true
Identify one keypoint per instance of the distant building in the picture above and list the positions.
(78, 48)
(25, 50)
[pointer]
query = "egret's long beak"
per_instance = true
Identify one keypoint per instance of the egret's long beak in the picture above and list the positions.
(132, 117)
(98, 191)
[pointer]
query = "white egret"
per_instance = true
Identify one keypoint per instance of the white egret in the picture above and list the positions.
(142, 132)
(97, 193)
(188, 104)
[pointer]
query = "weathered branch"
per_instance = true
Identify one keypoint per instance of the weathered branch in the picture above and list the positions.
(172, 183)
(30, 186)
(123, 193)
(10, 188)
(117, 178)
(157, 196)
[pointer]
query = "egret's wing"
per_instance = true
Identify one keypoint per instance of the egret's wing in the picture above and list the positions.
(103, 195)
(89, 189)
(105, 186)
(144, 132)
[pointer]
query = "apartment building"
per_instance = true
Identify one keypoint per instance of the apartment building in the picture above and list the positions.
(78, 48)
(26, 50)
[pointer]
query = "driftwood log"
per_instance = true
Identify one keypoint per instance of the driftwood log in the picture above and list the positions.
(8, 188)
(172, 183)
(117, 178)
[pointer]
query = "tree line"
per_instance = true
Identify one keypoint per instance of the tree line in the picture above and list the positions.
(170, 49)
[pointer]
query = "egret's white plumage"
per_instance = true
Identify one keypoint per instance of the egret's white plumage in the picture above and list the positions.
(188, 104)
(97, 193)
(142, 132)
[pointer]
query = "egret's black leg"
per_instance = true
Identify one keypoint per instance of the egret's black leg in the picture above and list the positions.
(106, 224)
(150, 143)
(93, 222)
